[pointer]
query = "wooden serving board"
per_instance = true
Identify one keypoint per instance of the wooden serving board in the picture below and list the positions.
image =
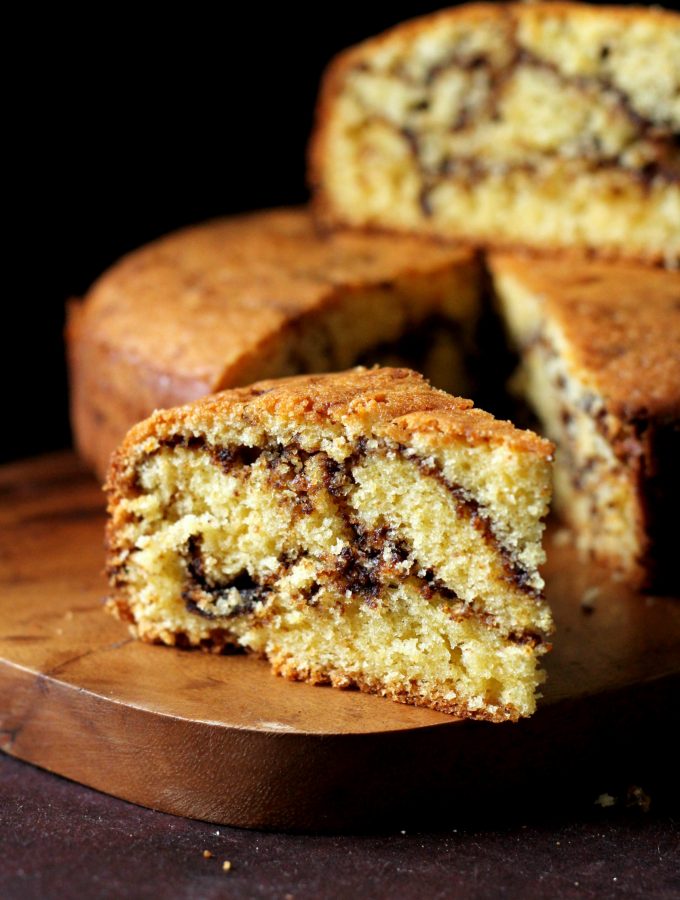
(219, 738)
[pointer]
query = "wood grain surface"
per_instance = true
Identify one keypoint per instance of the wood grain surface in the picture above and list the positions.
(221, 739)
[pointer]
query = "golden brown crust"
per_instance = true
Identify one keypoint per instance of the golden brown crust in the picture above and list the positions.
(392, 403)
(622, 322)
(230, 283)
(207, 307)
(458, 708)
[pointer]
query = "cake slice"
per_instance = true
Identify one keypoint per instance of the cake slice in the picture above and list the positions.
(259, 296)
(549, 125)
(600, 364)
(361, 529)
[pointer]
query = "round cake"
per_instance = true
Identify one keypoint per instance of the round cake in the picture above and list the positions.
(257, 296)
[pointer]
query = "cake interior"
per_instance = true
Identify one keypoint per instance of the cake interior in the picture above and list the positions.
(347, 564)
(616, 476)
(595, 490)
(557, 130)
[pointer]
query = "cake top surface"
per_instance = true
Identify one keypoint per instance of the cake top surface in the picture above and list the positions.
(397, 404)
(622, 322)
(203, 298)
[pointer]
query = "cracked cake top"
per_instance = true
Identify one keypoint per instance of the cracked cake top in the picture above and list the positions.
(397, 404)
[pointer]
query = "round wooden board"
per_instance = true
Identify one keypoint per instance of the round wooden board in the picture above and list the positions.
(219, 738)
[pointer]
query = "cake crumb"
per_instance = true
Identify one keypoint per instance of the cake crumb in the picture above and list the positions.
(605, 800)
(226, 865)
(589, 597)
(635, 796)
(207, 854)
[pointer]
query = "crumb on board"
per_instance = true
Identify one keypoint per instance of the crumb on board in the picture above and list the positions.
(605, 800)
(226, 865)
(207, 854)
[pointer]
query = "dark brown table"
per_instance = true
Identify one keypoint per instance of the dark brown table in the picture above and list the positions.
(61, 840)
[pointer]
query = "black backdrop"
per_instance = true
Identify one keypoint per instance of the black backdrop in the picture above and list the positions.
(128, 128)
(124, 128)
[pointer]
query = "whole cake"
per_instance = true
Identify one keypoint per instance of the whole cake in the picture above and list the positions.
(258, 296)
(552, 125)
(600, 364)
(361, 529)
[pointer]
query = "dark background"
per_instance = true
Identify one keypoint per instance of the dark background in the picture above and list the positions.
(140, 127)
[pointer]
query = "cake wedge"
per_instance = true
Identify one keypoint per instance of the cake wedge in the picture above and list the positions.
(599, 347)
(359, 528)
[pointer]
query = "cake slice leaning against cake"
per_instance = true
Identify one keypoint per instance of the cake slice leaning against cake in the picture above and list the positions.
(549, 125)
(360, 528)
(600, 365)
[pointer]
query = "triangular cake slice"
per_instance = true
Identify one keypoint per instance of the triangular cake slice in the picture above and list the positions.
(360, 528)
(600, 364)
